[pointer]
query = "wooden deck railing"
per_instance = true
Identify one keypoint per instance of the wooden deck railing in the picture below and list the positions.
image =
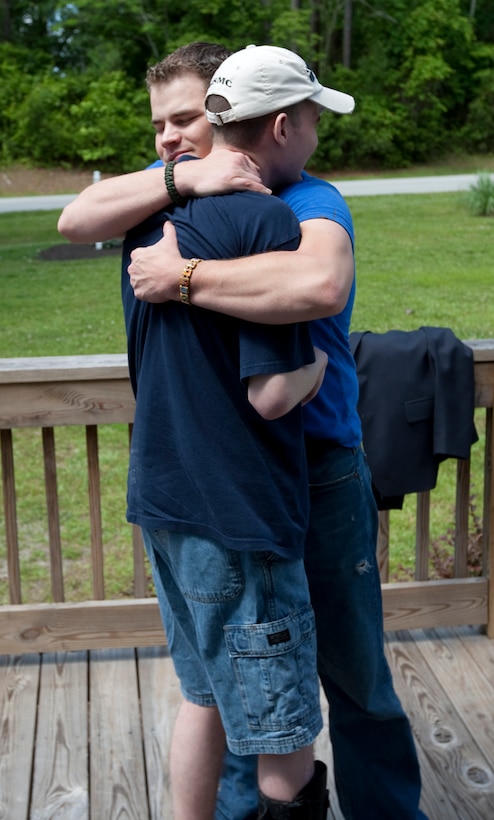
(48, 393)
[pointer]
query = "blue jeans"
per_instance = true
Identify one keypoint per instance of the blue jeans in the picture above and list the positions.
(241, 634)
(376, 768)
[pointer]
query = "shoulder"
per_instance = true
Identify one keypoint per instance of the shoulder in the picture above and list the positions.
(249, 208)
(254, 200)
(239, 208)
(314, 198)
(307, 184)
(238, 224)
(147, 232)
(156, 164)
(263, 219)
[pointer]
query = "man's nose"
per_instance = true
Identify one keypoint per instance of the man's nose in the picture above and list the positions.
(169, 134)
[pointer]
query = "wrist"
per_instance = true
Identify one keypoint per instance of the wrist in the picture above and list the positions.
(184, 281)
(183, 178)
(170, 183)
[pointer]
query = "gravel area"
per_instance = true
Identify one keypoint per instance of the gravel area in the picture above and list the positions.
(20, 181)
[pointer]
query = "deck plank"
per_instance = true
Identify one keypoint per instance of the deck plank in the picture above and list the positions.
(160, 700)
(19, 679)
(467, 678)
(128, 700)
(456, 770)
(117, 776)
(60, 783)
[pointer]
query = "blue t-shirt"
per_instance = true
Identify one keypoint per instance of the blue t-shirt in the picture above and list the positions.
(332, 414)
(202, 459)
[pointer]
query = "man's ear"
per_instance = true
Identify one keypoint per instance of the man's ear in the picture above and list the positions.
(280, 129)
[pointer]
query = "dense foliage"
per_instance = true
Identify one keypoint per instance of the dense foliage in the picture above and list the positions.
(422, 72)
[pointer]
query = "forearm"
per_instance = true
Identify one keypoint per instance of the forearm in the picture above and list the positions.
(111, 207)
(277, 288)
(273, 288)
(280, 289)
(275, 395)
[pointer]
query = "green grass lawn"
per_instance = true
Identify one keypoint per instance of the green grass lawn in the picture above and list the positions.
(425, 260)
(421, 260)
(52, 309)
(55, 308)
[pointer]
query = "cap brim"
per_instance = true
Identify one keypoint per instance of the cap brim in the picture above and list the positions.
(336, 101)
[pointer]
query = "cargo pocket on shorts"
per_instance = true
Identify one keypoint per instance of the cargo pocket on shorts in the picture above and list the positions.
(275, 666)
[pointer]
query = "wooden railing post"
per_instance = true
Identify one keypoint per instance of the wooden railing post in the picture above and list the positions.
(489, 518)
(94, 488)
(138, 553)
(462, 517)
(422, 538)
(10, 509)
(51, 491)
(383, 546)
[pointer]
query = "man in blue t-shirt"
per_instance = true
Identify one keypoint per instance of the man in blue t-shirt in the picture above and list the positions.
(217, 476)
(313, 282)
(340, 550)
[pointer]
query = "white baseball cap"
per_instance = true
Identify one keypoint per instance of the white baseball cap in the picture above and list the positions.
(261, 79)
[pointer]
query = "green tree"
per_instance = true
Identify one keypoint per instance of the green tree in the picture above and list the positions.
(422, 72)
(111, 35)
(104, 134)
(26, 25)
(14, 87)
(42, 128)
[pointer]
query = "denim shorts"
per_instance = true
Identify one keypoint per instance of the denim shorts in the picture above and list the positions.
(241, 633)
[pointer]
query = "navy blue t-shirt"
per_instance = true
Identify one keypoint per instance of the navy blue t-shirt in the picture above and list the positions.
(202, 459)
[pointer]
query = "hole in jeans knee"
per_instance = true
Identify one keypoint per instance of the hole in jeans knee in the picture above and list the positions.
(363, 567)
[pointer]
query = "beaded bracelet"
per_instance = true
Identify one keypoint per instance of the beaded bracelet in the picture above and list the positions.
(184, 281)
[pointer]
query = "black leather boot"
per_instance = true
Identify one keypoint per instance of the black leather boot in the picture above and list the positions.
(311, 803)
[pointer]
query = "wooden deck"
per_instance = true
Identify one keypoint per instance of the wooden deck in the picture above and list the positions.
(86, 719)
(86, 734)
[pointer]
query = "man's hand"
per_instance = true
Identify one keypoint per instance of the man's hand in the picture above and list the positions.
(150, 281)
(221, 172)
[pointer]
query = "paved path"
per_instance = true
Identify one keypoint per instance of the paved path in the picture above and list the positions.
(352, 187)
(34, 203)
(407, 185)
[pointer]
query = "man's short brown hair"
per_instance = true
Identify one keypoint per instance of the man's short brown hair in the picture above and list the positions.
(247, 133)
(197, 58)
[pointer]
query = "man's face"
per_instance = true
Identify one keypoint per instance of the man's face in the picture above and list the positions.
(177, 114)
(307, 131)
(301, 144)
